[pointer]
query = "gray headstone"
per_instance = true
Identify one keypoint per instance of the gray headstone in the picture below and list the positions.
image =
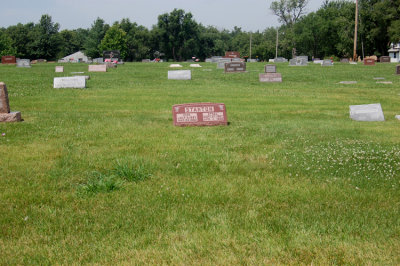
(208, 60)
(98, 60)
(145, 60)
(367, 112)
(280, 60)
(252, 60)
(23, 63)
(318, 61)
(303, 57)
(180, 74)
(59, 69)
(221, 65)
(348, 82)
(327, 62)
(344, 60)
(78, 82)
(297, 62)
(270, 69)
(215, 59)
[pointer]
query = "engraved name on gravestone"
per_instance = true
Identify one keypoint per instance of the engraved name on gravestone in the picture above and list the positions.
(232, 54)
(8, 59)
(97, 68)
(369, 62)
(59, 69)
(235, 67)
(344, 60)
(270, 77)
(24, 63)
(398, 69)
(384, 59)
(221, 62)
(270, 69)
(327, 62)
(367, 112)
(5, 114)
(77, 82)
(111, 54)
(303, 57)
(199, 114)
(180, 74)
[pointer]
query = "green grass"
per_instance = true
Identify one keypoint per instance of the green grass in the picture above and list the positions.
(101, 175)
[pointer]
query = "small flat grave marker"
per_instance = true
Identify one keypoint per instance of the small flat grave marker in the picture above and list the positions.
(77, 72)
(384, 82)
(199, 114)
(180, 74)
(270, 69)
(348, 82)
(378, 78)
(77, 82)
(24, 63)
(234, 67)
(369, 62)
(270, 77)
(59, 69)
(353, 63)
(367, 112)
(195, 65)
(175, 65)
(97, 68)
(5, 114)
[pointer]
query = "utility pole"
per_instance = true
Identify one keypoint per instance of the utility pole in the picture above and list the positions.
(276, 49)
(250, 43)
(355, 34)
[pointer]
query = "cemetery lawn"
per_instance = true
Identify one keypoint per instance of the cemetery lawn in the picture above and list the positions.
(101, 176)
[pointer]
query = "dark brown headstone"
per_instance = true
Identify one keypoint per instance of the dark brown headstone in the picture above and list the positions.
(8, 59)
(398, 69)
(384, 59)
(369, 62)
(270, 77)
(199, 114)
(232, 67)
(270, 69)
(344, 60)
(4, 104)
(232, 54)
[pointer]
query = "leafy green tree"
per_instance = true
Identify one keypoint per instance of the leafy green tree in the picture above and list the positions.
(115, 39)
(95, 36)
(72, 41)
(179, 34)
(21, 38)
(138, 40)
(6, 44)
(45, 38)
(289, 11)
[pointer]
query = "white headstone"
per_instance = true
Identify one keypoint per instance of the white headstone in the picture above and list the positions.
(59, 69)
(97, 68)
(195, 65)
(175, 65)
(180, 74)
(23, 63)
(78, 82)
(367, 112)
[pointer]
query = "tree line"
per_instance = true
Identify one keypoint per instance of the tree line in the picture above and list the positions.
(327, 32)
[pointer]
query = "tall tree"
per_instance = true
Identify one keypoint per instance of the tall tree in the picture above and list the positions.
(115, 39)
(6, 44)
(95, 35)
(289, 11)
(21, 38)
(46, 40)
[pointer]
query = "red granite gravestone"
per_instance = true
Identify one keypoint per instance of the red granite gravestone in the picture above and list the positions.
(398, 69)
(369, 62)
(199, 114)
(5, 114)
(384, 59)
(232, 67)
(270, 77)
(8, 59)
(232, 54)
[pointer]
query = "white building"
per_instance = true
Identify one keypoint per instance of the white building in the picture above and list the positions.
(394, 52)
(77, 57)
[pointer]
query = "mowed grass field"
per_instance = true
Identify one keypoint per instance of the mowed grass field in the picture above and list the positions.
(101, 176)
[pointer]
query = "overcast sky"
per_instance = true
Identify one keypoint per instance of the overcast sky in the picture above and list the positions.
(250, 15)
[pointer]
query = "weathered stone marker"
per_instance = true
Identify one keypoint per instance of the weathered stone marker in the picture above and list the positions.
(146, 60)
(367, 112)
(270, 69)
(97, 68)
(369, 62)
(8, 59)
(298, 62)
(24, 63)
(384, 59)
(232, 54)
(280, 60)
(180, 74)
(327, 62)
(5, 114)
(59, 69)
(77, 82)
(398, 69)
(232, 67)
(195, 65)
(199, 114)
(175, 65)
(270, 77)
(344, 60)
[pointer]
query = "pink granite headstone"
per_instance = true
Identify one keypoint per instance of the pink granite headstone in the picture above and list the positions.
(369, 62)
(5, 114)
(270, 77)
(59, 69)
(97, 68)
(199, 114)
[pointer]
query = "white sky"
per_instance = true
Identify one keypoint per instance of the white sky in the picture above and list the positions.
(250, 15)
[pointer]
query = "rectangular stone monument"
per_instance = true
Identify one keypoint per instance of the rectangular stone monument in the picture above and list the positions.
(327, 62)
(180, 74)
(236, 59)
(111, 54)
(369, 62)
(270, 69)
(59, 69)
(97, 68)
(215, 59)
(398, 69)
(344, 60)
(232, 54)
(280, 60)
(24, 63)
(77, 82)
(318, 61)
(199, 114)
(233, 67)
(252, 60)
(145, 60)
(5, 114)
(98, 60)
(297, 62)
(384, 59)
(208, 60)
(367, 112)
(270, 77)
(8, 59)
(303, 57)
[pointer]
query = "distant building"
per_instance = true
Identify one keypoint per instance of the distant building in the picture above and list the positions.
(77, 57)
(394, 52)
